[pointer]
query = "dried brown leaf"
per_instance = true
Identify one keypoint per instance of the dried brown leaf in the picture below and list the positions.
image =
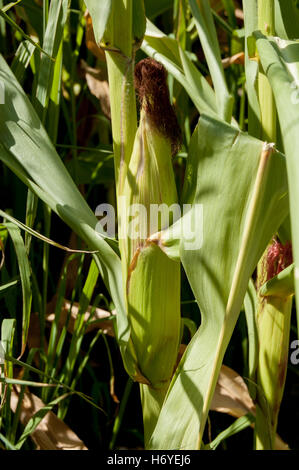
(235, 59)
(239, 14)
(98, 314)
(51, 433)
(98, 86)
(231, 394)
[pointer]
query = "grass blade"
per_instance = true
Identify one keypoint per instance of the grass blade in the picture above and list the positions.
(239, 425)
(22, 136)
(100, 12)
(25, 276)
(207, 33)
(167, 51)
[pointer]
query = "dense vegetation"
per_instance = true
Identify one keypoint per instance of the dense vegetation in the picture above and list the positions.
(93, 326)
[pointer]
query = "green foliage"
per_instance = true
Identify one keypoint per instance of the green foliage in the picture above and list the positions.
(63, 151)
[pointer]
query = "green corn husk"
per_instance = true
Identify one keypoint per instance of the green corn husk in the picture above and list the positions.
(273, 326)
(152, 279)
(150, 180)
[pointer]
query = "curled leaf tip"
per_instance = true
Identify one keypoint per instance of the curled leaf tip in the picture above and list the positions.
(152, 89)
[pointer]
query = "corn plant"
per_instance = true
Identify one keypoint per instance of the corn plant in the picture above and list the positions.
(226, 221)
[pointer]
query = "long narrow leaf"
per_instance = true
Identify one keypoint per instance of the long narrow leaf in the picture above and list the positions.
(207, 34)
(26, 149)
(242, 186)
(100, 11)
(167, 51)
(24, 268)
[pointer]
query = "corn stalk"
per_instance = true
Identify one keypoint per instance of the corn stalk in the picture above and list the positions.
(151, 281)
(273, 312)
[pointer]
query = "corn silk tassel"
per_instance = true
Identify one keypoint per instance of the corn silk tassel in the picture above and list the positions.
(152, 279)
(273, 327)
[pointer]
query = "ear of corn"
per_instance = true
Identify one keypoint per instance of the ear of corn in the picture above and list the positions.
(273, 327)
(152, 279)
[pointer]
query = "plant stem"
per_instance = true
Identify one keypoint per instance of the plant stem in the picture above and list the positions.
(263, 431)
(266, 23)
(120, 64)
(122, 409)
(152, 401)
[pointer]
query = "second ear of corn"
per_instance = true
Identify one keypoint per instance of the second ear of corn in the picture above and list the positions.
(273, 327)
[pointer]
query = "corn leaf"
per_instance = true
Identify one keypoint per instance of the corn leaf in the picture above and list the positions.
(242, 186)
(286, 19)
(241, 423)
(100, 12)
(207, 34)
(281, 285)
(25, 275)
(27, 150)
(8, 327)
(53, 36)
(250, 306)
(22, 59)
(251, 69)
(167, 51)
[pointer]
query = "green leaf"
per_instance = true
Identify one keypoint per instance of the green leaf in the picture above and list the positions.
(37, 371)
(7, 334)
(154, 8)
(27, 150)
(29, 383)
(53, 37)
(237, 426)
(242, 186)
(281, 285)
(32, 13)
(22, 59)
(8, 285)
(100, 12)
(6, 442)
(41, 237)
(25, 275)
(250, 305)
(251, 68)
(93, 167)
(139, 22)
(10, 5)
(286, 19)
(167, 51)
(207, 34)
(25, 36)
